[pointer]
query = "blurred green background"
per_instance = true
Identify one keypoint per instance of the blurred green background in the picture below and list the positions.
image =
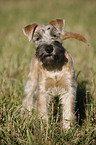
(80, 16)
(16, 53)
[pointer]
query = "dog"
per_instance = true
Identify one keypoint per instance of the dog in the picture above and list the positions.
(52, 71)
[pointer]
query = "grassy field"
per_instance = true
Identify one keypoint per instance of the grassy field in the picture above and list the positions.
(15, 57)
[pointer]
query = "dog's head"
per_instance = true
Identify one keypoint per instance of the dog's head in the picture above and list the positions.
(48, 41)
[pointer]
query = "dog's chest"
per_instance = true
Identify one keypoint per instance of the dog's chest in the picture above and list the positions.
(56, 81)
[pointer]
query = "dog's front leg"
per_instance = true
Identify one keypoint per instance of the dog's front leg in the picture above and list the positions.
(68, 104)
(41, 104)
(31, 85)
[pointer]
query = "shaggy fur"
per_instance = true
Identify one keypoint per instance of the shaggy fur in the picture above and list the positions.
(52, 72)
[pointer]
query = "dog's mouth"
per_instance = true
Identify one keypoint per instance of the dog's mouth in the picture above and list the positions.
(46, 57)
(50, 59)
(53, 57)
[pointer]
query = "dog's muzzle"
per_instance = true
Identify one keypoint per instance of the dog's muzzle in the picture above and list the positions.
(51, 55)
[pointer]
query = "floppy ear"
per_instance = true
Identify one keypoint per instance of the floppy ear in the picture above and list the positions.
(58, 24)
(29, 30)
(75, 35)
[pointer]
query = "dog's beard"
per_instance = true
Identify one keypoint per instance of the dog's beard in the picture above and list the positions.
(53, 60)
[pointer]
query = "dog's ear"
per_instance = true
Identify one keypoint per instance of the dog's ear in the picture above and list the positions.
(75, 35)
(58, 24)
(29, 30)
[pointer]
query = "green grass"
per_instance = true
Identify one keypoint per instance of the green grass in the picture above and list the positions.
(15, 56)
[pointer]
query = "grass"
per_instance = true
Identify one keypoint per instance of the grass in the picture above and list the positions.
(15, 56)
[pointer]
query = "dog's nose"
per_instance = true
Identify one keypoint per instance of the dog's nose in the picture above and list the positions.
(49, 48)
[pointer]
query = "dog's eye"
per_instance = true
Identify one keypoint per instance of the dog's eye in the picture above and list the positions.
(38, 38)
(48, 28)
(54, 36)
